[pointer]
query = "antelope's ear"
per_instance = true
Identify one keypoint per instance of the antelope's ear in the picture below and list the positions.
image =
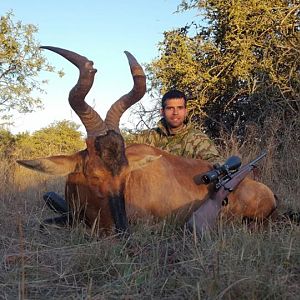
(139, 163)
(54, 165)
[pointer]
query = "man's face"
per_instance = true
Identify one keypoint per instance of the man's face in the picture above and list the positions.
(174, 112)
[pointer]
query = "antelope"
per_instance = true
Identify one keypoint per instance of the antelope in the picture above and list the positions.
(109, 184)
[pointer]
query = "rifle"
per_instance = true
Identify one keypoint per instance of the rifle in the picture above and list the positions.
(225, 179)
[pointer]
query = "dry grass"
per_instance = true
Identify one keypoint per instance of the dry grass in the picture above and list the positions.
(158, 261)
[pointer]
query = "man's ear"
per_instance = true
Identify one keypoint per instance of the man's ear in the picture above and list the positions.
(162, 112)
(186, 112)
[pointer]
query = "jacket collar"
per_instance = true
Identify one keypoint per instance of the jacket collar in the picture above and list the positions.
(163, 128)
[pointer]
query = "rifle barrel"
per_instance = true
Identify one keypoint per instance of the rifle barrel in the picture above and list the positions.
(253, 162)
(230, 184)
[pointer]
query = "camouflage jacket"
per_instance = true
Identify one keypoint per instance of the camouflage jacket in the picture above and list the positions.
(189, 142)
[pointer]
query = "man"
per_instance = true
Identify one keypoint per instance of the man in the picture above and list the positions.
(172, 134)
(175, 136)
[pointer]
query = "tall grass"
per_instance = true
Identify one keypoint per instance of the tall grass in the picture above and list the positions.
(158, 261)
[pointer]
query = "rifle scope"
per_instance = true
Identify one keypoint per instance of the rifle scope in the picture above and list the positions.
(231, 164)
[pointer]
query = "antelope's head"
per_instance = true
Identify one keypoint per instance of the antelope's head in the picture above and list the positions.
(96, 175)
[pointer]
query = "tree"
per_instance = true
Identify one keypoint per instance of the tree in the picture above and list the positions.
(60, 137)
(7, 144)
(21, 62)
(238, 63)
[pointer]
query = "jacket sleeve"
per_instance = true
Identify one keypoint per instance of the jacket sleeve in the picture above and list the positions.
(143, 137)
(205, 148)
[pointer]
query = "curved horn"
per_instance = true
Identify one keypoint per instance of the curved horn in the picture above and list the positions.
(138, 91)
(91, 120)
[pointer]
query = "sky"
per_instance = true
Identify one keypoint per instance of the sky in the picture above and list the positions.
(101, 31)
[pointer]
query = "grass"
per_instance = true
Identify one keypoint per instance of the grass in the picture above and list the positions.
(158, 261)
(154, 263)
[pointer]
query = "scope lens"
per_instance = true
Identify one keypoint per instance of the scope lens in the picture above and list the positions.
(206, 179)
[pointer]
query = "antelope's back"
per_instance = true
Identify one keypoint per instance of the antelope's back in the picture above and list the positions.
(165, 186)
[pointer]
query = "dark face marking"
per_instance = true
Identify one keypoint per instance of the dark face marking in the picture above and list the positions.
(118, 212)
(111, 150)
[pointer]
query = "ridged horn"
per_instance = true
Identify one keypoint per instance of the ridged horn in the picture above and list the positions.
(91, 120)
(138, 91)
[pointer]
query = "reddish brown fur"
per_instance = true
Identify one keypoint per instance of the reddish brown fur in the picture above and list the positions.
(88, 188)
(167, 186)
(162, 187)
(152, 182)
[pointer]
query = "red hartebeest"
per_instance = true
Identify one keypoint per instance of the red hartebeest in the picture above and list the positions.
(111, 184)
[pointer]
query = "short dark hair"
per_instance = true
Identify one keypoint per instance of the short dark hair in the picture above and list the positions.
(171, 95)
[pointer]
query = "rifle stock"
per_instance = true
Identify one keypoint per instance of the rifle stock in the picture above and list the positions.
(205, 217)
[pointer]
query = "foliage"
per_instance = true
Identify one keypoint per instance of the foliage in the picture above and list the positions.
(7, 143)
(239, 62)
(156, 261)
(58, 138)
(21, 62)
(61, 137)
